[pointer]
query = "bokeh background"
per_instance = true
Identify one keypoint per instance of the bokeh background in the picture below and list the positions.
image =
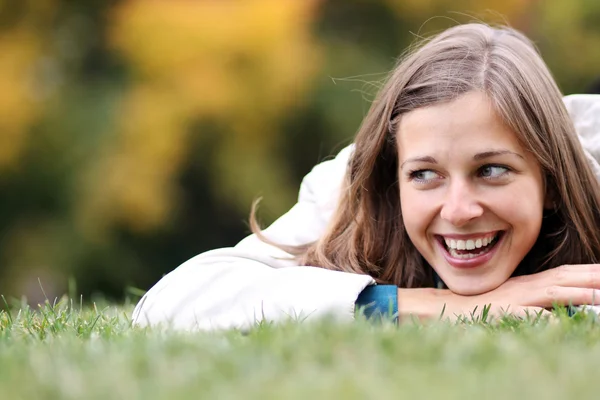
(134, 134)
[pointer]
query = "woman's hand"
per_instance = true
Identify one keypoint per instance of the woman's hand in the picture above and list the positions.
(565, 285)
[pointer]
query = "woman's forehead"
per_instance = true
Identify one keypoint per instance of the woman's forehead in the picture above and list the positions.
(468, 123)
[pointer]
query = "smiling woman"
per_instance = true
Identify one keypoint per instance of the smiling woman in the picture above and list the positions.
(462, 173)
(466, 185)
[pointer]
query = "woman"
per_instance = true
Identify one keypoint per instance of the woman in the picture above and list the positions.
(466, 186)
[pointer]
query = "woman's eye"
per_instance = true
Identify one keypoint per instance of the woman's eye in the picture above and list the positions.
(492, 171)
(424, 175)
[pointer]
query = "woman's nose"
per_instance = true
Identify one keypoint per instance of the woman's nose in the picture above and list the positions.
(460, 205)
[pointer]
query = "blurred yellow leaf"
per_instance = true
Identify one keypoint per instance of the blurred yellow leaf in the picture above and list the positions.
(19, 49)
(242, 63)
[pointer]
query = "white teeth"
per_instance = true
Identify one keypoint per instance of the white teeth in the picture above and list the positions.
(469, 244)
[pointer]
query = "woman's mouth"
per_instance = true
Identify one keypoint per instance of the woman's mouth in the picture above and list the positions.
(471, 252)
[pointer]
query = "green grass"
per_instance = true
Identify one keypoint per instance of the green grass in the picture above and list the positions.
(67, 352)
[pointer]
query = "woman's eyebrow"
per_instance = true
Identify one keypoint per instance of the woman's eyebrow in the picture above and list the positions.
(425, 159)
(476, 157)
(493, 153)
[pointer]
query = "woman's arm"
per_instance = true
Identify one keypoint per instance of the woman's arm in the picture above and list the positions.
(254, 281)
(233, 292)
(568, 285)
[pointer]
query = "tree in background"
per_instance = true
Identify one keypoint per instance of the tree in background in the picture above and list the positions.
(239, 65)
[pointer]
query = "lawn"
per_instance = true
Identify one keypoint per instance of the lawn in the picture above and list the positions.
(67, 351)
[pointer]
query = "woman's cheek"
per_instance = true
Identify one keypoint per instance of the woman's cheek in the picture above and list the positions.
(417, 210)
(522, 206)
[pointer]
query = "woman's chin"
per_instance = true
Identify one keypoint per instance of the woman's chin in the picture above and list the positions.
(471, 287)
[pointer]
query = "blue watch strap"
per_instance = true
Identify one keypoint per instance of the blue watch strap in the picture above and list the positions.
(379, 301)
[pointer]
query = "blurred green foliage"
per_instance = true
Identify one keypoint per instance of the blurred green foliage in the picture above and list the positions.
(134, 134)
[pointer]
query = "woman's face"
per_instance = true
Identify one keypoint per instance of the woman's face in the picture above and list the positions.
(471, 197)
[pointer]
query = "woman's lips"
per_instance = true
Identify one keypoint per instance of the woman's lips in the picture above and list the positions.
(466, 263)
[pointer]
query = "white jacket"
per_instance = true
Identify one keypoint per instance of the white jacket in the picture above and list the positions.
(239, 286)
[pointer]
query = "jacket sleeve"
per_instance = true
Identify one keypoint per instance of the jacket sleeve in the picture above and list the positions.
(584, 110)
(253, 281)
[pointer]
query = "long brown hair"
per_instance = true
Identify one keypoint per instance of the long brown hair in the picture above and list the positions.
(367, 235)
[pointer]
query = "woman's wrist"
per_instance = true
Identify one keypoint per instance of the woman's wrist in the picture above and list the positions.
(423, 304)
(407, 304)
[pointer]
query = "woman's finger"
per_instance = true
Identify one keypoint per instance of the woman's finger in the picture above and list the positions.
(583, 276)
(568, 296)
